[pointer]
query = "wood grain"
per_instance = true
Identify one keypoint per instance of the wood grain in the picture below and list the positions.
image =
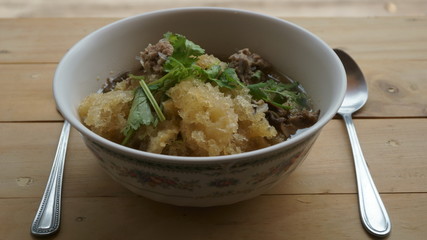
(393, 144)
(43, 41)
(395, 65)
(329, 216)
(302, 8)
(317, 201)
(27, 92)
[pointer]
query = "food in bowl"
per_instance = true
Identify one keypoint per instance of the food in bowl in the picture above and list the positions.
(201, 180)
(185, 102)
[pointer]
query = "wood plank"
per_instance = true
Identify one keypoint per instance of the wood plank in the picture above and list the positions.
(396, 88)
(42, 39)
(395, 65)
(267, 217)
(395, 144)
(19, 149)
(318, 201)
(372, 38)
(395, 70)
(304, 8)
(27, 93)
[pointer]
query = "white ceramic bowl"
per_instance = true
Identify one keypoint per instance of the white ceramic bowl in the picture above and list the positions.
(201, 181)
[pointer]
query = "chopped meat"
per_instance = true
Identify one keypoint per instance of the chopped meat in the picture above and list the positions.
(303, 118)
(288, 122)
(252, 68)
(206, 114)
(154, 56)
(248, 65)
(112, 82)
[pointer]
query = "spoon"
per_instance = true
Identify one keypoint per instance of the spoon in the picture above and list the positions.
(47, 219)
(372, 211)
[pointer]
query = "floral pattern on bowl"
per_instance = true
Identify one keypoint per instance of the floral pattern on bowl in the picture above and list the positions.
(215, 183)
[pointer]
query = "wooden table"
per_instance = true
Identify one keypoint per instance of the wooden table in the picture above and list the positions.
(318, 201)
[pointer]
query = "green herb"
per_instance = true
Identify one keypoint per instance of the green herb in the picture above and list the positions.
(279, 94)
(173, 76)
(185, 52)
(213, 72)
(153, 101)
(180, 65)
(257, 75)
(230, 79)
(226, 78)
(139, 114)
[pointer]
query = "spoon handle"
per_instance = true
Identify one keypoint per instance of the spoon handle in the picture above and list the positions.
(373, 213)
(47, 218)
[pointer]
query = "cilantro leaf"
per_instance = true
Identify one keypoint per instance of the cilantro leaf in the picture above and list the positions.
(152, 100)
(229, 78)
(257, 75)
(145, 109)
(279, 94)
(226, 78)
(170, 79)
(185, 52)
(141, 111)
(213, 72)
(182, 64)
(178, 66)
(139, 114)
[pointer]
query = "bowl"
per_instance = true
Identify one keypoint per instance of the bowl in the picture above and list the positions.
(201, 181)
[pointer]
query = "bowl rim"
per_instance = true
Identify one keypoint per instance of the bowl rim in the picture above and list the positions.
(86, 132)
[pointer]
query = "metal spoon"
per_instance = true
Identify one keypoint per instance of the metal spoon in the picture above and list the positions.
(47, 219)
(372, 211)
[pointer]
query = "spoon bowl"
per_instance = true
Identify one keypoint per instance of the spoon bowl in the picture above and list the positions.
(372, 211)
(357, 89)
